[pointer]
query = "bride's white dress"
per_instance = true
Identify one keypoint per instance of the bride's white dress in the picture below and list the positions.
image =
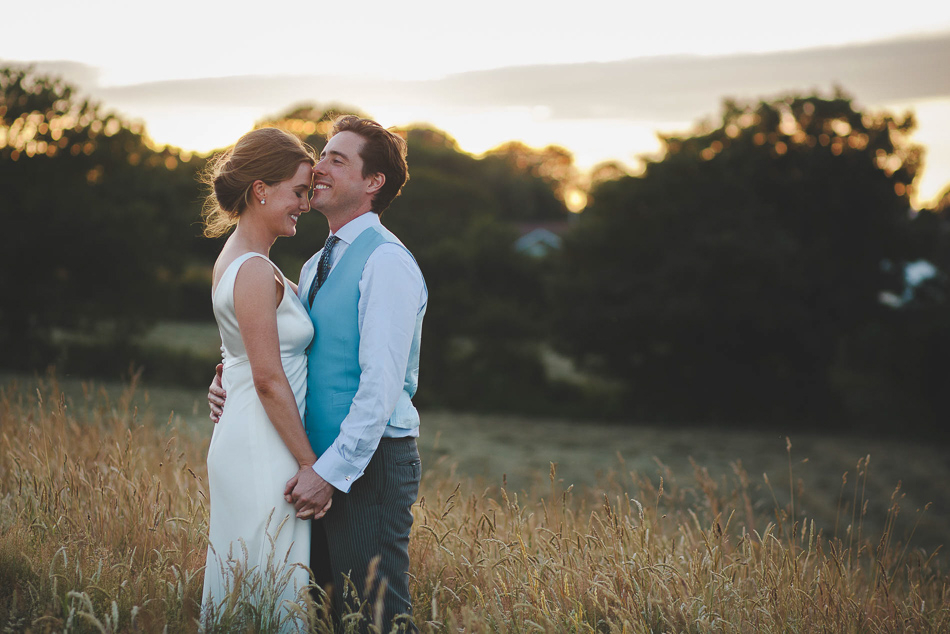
(253, 531)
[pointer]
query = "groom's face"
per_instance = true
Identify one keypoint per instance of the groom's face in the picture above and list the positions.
(339, 185)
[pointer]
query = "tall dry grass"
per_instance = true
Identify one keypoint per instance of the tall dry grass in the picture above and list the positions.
(103, 520)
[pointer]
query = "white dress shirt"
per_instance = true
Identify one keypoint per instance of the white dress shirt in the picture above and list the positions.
(392, 293)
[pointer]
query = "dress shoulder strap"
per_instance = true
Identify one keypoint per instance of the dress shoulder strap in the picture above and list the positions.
(230, 273)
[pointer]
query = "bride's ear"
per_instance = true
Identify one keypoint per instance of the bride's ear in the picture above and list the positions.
(257, 189)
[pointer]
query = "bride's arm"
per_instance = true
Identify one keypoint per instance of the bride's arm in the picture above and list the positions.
(255, 306)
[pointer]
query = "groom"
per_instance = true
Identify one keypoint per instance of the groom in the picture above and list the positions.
(366, 298)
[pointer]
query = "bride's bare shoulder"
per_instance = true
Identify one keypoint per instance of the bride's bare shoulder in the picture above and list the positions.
(225, 258)
(255, 274)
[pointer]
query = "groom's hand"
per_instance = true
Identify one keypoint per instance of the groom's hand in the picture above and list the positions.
(216, 394)
(310, 494)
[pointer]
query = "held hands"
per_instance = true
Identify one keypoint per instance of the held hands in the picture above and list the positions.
(216, 394)
(310, 494)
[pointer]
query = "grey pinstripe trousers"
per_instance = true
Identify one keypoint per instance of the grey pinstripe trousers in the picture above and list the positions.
(372, 520)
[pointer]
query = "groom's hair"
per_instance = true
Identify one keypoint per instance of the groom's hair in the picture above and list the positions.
(383, 152)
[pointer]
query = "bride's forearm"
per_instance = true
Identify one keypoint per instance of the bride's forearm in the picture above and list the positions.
(281, 407)
(257, 321)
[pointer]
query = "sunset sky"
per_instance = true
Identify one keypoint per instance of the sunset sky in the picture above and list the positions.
(600, 77)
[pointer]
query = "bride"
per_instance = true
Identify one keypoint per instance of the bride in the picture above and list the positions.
(258, 546)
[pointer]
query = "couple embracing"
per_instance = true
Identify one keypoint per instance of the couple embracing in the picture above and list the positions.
(313, 460)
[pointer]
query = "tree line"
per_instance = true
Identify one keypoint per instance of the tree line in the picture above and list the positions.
(755, 272)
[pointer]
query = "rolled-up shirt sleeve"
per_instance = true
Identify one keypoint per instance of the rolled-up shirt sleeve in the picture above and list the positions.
(392, 293)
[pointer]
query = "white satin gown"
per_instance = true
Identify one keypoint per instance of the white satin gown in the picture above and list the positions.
(253, 531)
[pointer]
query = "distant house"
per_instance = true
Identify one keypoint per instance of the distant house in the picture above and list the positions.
(538, 239)
(914, 273)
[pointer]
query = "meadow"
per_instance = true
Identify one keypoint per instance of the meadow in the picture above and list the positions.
(522, 524)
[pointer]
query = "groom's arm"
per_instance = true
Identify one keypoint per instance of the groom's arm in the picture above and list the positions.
(307, 491)
(216, 394)
(391, 295)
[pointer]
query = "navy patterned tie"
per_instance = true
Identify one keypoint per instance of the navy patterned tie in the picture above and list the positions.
(323, 267)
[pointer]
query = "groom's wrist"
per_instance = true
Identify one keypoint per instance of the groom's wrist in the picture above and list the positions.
(336, 471)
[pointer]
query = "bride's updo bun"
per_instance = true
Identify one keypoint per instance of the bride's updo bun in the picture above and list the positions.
(267, 154)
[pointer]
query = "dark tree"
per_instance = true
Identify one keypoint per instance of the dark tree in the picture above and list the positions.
(532, 185)
(723, 282)
(94, 220)
(457, 215)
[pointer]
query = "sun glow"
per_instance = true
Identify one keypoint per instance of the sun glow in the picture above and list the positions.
(933, 132)
(290, 39)
(590, 141)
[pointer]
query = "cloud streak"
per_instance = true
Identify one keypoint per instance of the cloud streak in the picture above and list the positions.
(673, 88)
(680, 87)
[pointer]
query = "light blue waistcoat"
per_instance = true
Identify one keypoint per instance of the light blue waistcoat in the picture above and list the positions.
(333, 369)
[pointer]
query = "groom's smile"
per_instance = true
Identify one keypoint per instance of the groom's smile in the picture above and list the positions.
(339, 183)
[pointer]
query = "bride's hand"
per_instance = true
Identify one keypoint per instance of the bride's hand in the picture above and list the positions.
(289, 487)
(324, 510)
(309, 514)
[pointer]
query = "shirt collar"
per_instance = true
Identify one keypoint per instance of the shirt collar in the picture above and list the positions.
(351, 230)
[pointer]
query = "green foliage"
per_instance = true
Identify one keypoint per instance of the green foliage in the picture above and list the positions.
(484, 318)
(896, 368)
(723, 283)
(96, 220)
(738, 278)
(125, 250)
(457, 214)
(530, 184)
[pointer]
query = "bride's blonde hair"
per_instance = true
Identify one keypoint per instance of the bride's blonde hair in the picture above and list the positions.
(267, 154)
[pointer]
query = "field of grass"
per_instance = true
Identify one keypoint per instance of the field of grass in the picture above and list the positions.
(103, 517)
(191, 336)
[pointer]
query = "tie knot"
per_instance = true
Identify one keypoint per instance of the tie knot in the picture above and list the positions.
(331, 240)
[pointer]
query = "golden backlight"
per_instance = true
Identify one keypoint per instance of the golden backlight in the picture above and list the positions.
(110, 47)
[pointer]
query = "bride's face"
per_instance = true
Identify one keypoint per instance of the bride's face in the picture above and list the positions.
(287, 200)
